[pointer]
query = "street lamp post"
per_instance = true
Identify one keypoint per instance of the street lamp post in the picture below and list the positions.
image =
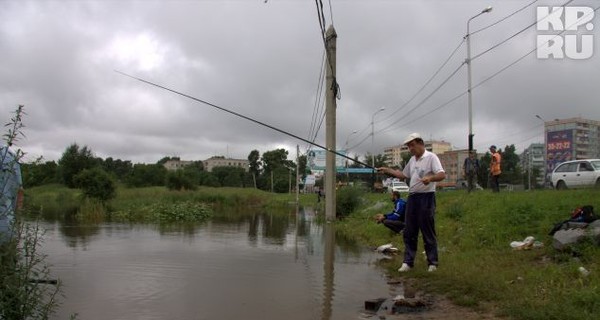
(373, 143)
(545, 151)
(468, 61)
(346, 150)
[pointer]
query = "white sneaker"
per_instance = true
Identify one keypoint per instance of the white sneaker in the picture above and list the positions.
(405, 267)
(432, 268)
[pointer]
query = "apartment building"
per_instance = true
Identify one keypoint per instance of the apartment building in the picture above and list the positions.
(395, 153)
(213, 162)
(570, 139)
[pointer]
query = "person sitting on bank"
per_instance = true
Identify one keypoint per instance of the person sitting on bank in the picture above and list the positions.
(395, 219)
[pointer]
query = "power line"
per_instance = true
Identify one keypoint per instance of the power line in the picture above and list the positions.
(512, 134)
(331, 12)
(429, 96)
(434, 109)
(530, 52)
(429, 80)
(503, 19)
(242, 116)
(503, 69)
(318, 95)
(514, 35)
(454, 52)
(320, 15)
(414, 95)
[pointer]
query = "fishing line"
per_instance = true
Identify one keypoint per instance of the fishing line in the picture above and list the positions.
(243, 117)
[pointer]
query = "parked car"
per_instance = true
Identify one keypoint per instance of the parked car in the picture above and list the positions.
(577, 174)
(399, 186)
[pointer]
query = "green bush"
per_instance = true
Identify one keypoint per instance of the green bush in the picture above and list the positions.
(348, 199)
(96, 183)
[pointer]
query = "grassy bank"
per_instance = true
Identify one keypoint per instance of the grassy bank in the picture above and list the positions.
(479, 269)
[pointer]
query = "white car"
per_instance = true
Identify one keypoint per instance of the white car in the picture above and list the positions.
(577, 174)
(399, 186)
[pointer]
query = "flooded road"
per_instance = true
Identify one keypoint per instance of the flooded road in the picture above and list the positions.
(251, 266)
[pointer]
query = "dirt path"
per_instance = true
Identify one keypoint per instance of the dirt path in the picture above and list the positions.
(437, 307)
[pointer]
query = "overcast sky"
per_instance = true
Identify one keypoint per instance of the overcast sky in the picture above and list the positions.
(263, 60)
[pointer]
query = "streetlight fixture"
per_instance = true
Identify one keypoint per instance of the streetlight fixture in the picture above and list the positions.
(373, 145)
(468, 61)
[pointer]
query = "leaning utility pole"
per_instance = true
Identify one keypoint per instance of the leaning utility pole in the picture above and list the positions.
(330, 106)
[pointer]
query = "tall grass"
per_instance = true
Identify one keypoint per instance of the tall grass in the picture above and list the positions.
(478, 268)
(152, 204)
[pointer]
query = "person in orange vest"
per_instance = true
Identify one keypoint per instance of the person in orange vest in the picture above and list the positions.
(495, 169)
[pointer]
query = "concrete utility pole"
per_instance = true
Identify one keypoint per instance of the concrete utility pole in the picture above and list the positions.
(330, 128)
(298, 175)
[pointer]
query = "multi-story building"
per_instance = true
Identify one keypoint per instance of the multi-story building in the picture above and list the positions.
(533, 158)
(212, 162)
(176, 164)
(395, 153)
(452, 162)
(571, 139)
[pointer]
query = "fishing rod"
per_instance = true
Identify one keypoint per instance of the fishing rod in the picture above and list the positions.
(243, 117)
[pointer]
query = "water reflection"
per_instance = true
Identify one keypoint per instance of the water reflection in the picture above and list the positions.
(246, 265)
(328, 270)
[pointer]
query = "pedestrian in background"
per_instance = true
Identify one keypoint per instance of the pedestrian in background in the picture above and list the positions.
(495, 169)
(470, 169)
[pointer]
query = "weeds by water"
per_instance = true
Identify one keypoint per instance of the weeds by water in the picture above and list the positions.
(186, 211)
(27, 289)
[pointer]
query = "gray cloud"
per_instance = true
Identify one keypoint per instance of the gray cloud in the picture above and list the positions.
(262, 60)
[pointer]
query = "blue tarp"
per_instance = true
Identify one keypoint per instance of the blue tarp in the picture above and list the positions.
(10, 182)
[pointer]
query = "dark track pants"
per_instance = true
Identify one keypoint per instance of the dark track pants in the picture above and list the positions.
(420, 214)
(394, 225)
(495, 183)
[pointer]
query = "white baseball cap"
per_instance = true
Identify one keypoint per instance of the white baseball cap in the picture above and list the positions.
(412, 137)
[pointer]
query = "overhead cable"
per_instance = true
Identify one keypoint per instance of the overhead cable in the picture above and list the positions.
(503, 19)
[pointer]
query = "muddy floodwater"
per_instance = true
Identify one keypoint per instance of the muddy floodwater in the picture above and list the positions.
(235, 266)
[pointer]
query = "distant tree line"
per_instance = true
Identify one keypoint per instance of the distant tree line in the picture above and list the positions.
(97, 177)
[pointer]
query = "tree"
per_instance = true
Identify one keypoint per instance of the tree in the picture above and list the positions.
(95, 183)
(511, 170)
(483, 174)
(73, 161)
(274, 159)
(380, 160)
(146, 175)
(178, 180)
(208, 179)
(119, 168)
(302, 166)
(254, 162)
(355, 163)
(39, 173)
(193, 171)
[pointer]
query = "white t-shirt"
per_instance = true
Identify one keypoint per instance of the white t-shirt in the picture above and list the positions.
(428, 164)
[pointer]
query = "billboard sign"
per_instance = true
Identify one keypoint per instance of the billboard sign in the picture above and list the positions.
(316, 159)
(559, 148)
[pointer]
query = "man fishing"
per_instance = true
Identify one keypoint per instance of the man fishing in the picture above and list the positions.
(423, 169)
